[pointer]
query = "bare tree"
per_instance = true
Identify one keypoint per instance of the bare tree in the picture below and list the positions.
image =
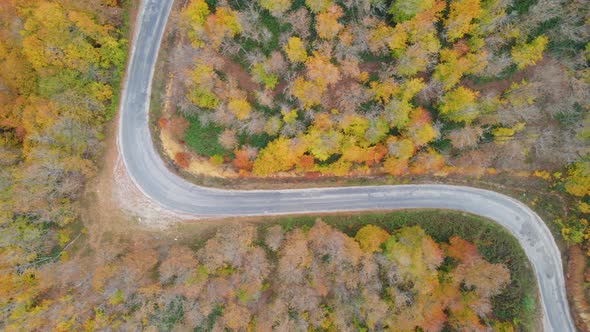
(466, 137)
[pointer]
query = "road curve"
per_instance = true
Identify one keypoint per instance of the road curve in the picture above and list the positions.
(151, 176)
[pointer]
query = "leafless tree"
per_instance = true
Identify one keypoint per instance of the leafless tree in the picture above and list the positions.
(227, 139)
(300, 21)
(466, 137)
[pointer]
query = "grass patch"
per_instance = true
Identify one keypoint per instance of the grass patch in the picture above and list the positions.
(258, 141)
(168, 316)
(203, 138)
(569, 119)
(210, 321)
(521, 6)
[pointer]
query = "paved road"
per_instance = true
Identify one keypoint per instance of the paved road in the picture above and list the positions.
(172, 192)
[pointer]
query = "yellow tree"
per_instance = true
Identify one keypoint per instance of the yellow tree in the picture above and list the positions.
(427, 161)
(43, 42)
(222, 24)
(459, 105)
(240, 108)
(195, 14)
(323, 142)
(420, 130)
(524, 54)
(279, 155)
(309, 93)
(295, 50)
(461, 15)
(276, 7)
(354, 127)
(327, 25)
(382, 91)
(421, 134)
(577, 182)
(416, 257)
(395, 166)
(380, 37)
(403, 10)
(453, 66)
(371, 237)
(402, 148)
(203, 79)
(261, 74)
(320, 69)
(318, 6)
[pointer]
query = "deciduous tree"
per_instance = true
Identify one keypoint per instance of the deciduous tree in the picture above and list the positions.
(280, 154)
(295, 50)
(371, 237)
(318, 6)
(276, 7)
(459, 105)
(526, 54)
(327, 25)
(195, 14)
(462, 13)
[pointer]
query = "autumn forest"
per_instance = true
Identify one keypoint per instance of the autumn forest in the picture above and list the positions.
(493, 94)
(386, 90)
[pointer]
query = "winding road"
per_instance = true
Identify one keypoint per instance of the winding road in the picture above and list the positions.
(151, 176)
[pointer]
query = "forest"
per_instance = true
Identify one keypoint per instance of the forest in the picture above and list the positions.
(292, 274)
(297, 89)
(266, 88)
(60, 66)
(291, 88)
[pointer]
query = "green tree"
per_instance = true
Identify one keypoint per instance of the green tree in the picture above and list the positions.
(403, 10)
(526, 54)
(276, 7)
(459, 105)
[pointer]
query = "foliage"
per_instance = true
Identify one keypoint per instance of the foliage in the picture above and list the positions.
(403, 10)
(461, 15)
(236, 268)
(327, 25)
(259, 74)
(276, 7)
(578, 179)
(195, 14)
(203, 138)
(295, 50)
(526, 54)
(453, 66)
(318, 6)
(458, 105)
(222, 24)
(60, 69)
(240, 108)
(279, 155)
(371, 237)
(400, 87)
(309, 93)
(201, 95)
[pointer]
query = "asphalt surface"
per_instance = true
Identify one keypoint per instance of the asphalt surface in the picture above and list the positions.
(151, 176)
